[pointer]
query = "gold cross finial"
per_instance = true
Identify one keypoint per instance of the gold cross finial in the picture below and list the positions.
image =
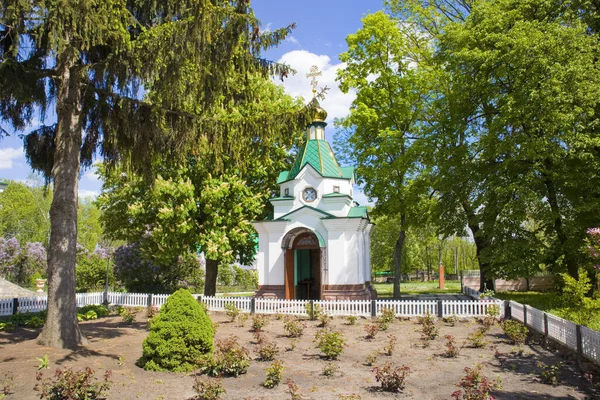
(314, 72)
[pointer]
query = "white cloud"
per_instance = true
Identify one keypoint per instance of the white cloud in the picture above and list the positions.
(9, 155)
(336, 103)
(91, 174)
(88, 193)
(293, 40)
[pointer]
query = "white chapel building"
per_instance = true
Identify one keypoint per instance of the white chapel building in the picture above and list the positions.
(317, 244)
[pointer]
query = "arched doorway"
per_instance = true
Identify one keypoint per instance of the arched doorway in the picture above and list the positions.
(303, 264)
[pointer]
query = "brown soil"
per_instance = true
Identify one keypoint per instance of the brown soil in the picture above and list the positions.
(116, 346)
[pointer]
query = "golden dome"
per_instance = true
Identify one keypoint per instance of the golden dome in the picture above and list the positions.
(319, 114)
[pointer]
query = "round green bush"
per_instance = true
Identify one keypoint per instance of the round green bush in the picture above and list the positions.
(181, 335)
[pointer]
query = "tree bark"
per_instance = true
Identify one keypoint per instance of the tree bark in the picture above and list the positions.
(398, 249)
(481, 243)
(61, 328)
(210, 283)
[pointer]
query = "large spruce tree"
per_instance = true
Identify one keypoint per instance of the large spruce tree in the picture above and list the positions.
(119, 75)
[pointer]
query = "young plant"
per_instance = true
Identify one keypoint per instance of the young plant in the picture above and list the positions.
(477, 339)
(388, 315)
(516, 332)
(371, 330)
(351, 320)
(391, 377)
(293, 344)
(324, 320)
(330, 343)
(451, 349)
(314, 313)
(274, 374)
(208, 390)
(293, 389)
(44, 362)
(389, 348)
(371, 359)
(428, 329)
(242, 319)
(229, 359)
(549, 373)
(293, 327)
(475, 386)
(127, 316)
(152, 312)
(259, 321)
(330, 369)
(259, 337)
(267, 351)
(78, 385)
(451, 320)
(232, 311)
(7, 386)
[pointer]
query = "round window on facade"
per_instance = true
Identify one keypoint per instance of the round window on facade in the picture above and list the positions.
(309, 195)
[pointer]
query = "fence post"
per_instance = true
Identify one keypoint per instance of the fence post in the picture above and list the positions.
(149, 299)
(545, 324)
(373, 308)
(524, 314)
(253, 305)
(440, 309)
(579, 341)
(15, 305)
(312, 310)
(507, 310)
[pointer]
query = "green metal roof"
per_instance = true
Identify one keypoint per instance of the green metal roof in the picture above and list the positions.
(281, 198)
(358, 212)
(284, 217)
(318, 154)
(335, 195)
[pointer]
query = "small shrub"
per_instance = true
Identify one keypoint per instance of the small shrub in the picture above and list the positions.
(293, 344)
(477, 339)
(330, 343)
(389, 348)
(7, 385)
(100, 310)
(181, 335)
(383, 326)
(278, 316)
(486, 293)
(451, 320)
(451, 349)
(324, 320)
(516, 332)
(127, 315)
(152, 312)
(391, 377)
(259, 321)
(388, 315)
(475, 386)
(267, 351)
(259, 337)
(37, 322)
(208, 390)
(7, 326)
(293, 327)
(293, 389)
(242, 319)
(493, 310)
(44, 362)
(549, 373)
(67, 384)
(232, 311)
(314, 313)
(330, 369)
(274, 374)
(351, 319)
(229, 359)
(371, 330)
(371, 359)
(428, 329)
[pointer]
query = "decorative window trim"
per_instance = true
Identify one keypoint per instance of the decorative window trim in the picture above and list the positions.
(336, 189)
(306, 190)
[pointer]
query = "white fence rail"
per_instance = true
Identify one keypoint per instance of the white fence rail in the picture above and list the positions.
(470, 308)
(345, 307)
(280, 306)
(6, 307)
(219, 303)
(408, 308)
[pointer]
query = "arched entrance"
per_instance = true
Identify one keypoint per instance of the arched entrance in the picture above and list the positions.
(303, 264)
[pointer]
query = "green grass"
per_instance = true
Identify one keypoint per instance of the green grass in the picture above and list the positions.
(431, 287)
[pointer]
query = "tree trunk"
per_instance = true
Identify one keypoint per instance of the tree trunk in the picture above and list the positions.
(481, 243)
(552, 198)
(61, 328)
(399, 248)
(210, 283)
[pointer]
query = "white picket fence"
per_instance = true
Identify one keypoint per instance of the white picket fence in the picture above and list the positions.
(280, 306)
(345, 307)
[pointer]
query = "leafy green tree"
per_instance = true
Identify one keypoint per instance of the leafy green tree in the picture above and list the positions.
(89, 230)
(383, 126)
(89, 60)
(24, 213)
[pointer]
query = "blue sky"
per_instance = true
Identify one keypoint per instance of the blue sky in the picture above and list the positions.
(319, 38)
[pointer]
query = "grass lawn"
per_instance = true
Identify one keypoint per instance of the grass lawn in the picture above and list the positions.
(386, 289)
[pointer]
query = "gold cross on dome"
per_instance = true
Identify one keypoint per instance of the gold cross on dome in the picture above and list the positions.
(314, 72)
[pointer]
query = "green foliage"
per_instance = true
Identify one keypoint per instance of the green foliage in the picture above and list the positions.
(387, 316)
(330, 369)
(549, 374)
(6, 326)
(293, 327)
(330, 343)
(100, 310)
(90, 272)
(68, 384)
(267, 351)
(451, 349)
(208, 390)
(180, 335)
(24, 213)
(229, 359)
(242, 319)
(477, 339)
(391, 377)
(475, 386)
(293, 389)
(516, 332)
(389, 348)
(371, 359)
(232, 311)
(259, 321)
(44, 362)
(274, 374)
(428, 329)
(351, 319)
(314, 311)
(127, 315)
(576, 305)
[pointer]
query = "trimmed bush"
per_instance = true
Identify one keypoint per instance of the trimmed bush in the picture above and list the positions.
(181, 335)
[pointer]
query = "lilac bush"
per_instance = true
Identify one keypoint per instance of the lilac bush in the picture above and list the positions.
(22, 265)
